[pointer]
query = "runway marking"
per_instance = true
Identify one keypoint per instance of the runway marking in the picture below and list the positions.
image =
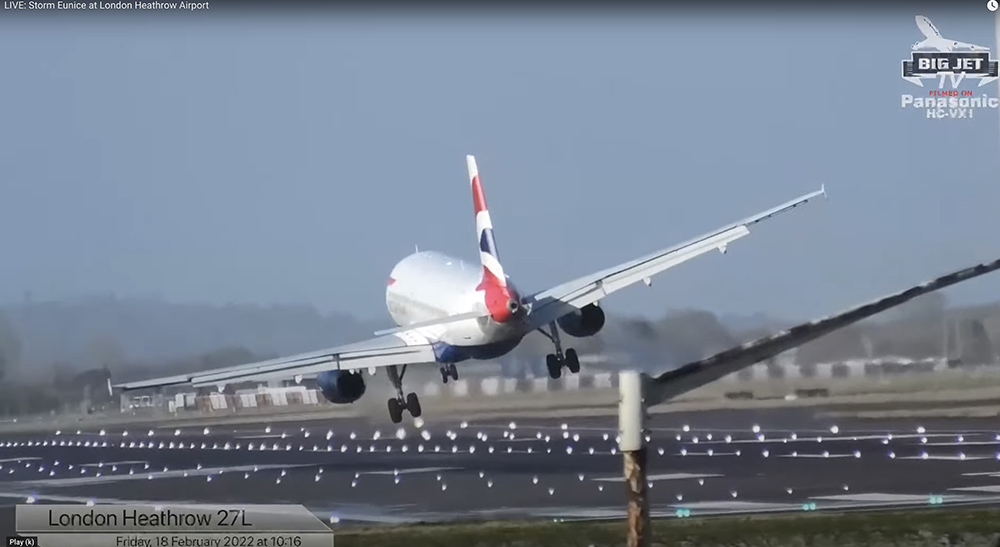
(734, 505)
(812, 438)
(603, 513)
(875, 497)
(993, 489)
(820, 456)
(947, 458)
(410, 471)
(24, 459)
(102, 501)
(584, 513)
(911, 435)
(126, 462)
(172, 474)
(522, 440)
(660, 477)
(966, 443)
(380, 519)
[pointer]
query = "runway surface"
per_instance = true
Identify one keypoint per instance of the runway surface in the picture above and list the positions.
(350, 472)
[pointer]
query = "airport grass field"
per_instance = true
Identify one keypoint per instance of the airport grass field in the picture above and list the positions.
(932, 527)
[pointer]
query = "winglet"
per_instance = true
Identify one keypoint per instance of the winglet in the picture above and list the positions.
(822, 189)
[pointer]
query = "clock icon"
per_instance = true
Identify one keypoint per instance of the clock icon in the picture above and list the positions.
(991, 5)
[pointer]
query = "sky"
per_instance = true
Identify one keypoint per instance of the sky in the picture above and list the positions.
(295, 158)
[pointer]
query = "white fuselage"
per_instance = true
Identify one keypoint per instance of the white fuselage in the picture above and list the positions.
(429, 285)
(939, 43)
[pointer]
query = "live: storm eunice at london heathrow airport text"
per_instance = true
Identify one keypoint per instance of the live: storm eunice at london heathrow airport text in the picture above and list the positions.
(32, 5)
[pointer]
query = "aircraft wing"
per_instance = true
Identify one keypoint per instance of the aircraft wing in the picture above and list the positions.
(549, 305)
(694, 375)
(395, 349)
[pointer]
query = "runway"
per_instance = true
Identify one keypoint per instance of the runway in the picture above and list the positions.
(349, 472)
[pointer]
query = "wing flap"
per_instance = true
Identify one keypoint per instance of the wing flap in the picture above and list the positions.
(699, 373)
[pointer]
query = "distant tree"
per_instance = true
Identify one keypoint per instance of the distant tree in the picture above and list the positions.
(226, 357)
(62, 374)
(927, 308)
(639, 328)
(841, 345)
(21, 400)
(693, 334)
(979, 348)
(915, 338)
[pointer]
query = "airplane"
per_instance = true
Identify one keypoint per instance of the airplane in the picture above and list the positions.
(448, 311)
(934, 40)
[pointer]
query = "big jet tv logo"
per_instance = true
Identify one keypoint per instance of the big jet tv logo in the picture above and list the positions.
(952, 64)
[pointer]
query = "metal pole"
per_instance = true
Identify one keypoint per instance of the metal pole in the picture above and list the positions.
(632, 434)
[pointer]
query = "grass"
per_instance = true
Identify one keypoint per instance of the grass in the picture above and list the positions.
(933, 527)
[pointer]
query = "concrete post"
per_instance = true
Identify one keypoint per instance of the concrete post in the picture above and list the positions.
(631, 425)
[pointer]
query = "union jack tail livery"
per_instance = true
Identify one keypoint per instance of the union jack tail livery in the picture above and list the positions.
(502, 300)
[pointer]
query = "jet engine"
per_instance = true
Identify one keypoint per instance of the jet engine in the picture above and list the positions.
(341, 386)
(588, 321)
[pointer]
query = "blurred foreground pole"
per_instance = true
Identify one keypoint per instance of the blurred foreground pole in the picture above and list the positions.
(632, 432)
(638, 391)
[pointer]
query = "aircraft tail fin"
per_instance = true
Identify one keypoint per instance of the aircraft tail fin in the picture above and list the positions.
(492, 270)
(501, 299)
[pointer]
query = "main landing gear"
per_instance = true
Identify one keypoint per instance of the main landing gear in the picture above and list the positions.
(400, 403)
(449, 371)
(555, 361)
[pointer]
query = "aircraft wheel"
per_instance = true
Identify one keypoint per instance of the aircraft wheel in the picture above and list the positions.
(444, 374)
(395, 411)
(572, 361)
(453, 371)
(554, 366)
(413, 405)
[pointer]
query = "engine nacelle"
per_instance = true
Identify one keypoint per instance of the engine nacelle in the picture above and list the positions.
(586, 322)
(341, 386)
